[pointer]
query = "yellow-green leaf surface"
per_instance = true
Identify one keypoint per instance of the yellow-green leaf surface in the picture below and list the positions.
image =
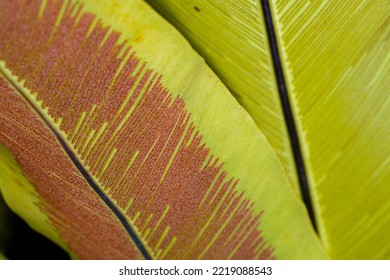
(2, 256)
(231, 36)
(335, 59)
(119, 142)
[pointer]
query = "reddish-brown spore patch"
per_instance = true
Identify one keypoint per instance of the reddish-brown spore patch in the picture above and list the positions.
(84, 222)
(172, 168)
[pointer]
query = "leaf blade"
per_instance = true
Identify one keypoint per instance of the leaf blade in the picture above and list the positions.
(348, 102)
(232, 37)
(335, 62)
(227, 200)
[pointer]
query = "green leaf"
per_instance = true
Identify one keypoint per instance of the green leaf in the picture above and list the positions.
(334, 59)
(231, 36)
(119, 142)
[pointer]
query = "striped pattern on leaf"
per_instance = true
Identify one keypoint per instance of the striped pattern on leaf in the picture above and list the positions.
(339, 81)
(231, 36)
(117, 158)
(335, 60)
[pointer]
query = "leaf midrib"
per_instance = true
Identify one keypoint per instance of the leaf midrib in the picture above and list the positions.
(287, 111)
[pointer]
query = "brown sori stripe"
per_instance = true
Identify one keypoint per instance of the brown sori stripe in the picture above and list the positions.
(135, 137)
(86, 224)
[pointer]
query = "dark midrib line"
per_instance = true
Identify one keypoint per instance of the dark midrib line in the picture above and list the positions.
(287, 111)
(86, 175)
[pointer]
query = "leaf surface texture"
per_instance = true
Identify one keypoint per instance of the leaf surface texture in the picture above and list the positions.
(116, 135)
(335, 61)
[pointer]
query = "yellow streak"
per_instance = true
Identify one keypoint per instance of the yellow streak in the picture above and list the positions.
(233, 212)
(159, 222)
(165, 232)
(81, 119)
(113, 152)
(102, 128)
(169, 247)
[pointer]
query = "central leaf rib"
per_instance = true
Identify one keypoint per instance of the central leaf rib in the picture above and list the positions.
(287, 111)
